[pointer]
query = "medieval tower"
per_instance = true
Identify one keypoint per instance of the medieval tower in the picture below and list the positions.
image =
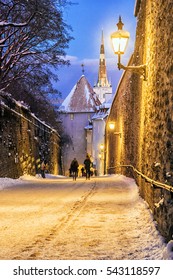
(103, 88)
(76, 113)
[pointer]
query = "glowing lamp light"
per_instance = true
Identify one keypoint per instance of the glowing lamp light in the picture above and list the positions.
(111, 125)
(101, 147)
(120, 39)
(119, 43)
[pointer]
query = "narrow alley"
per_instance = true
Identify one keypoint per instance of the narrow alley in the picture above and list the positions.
(103, 218)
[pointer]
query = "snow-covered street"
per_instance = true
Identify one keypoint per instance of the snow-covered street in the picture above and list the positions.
(102, 218)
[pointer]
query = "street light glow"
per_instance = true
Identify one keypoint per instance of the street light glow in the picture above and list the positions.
(111, 125)
(101, 147)
(120, 38)
(119, 42)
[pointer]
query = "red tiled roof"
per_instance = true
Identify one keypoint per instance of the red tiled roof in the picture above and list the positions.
(82, 98)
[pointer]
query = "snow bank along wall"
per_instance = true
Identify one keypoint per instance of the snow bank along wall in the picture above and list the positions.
(25, 141)
(143, 111)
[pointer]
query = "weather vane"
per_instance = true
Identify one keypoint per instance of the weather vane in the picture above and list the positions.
(82, 65)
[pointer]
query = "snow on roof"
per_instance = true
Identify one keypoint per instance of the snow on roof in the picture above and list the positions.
(102, 111)
(82, 98)
(88, 127)
(100, 115)
(105, 105)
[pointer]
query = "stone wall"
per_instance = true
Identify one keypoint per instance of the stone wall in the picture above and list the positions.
(143, 110)
(25, 141)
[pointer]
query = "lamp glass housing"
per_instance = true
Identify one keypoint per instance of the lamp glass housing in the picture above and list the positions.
(101, 147)
(119, 41)
(111, 125)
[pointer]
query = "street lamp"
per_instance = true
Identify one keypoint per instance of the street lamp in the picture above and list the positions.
(101, 147)
(101, 154)
(112, 127)
(119, 42)
(102, 158)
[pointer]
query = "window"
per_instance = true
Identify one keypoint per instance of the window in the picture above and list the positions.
(71, 117)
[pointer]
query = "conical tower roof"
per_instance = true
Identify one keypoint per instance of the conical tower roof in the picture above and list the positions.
(82, 98)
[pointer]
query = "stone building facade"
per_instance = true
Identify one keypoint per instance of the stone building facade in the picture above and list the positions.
(25, 141)
(143, 111)
(76, 113)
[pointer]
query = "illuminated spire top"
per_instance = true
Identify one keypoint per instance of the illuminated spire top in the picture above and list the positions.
(102, 75)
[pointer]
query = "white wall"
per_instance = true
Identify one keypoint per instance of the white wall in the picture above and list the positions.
(98, 139)
(75, 129)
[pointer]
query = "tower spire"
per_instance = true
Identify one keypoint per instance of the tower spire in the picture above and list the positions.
(102, 88)
(102, 75)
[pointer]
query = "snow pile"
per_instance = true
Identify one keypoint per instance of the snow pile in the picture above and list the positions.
(51, 176)
(38, 176)
(8, 182)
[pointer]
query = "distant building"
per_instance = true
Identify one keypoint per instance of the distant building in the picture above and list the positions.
(76, 113)
(103, 90)
(83, 114)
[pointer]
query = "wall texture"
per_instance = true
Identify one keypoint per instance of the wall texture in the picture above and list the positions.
(143, 110)
(25, 141)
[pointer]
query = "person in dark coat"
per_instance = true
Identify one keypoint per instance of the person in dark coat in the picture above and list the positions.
(43, 168)
(87, 163)
(82, 170)
(74, 168)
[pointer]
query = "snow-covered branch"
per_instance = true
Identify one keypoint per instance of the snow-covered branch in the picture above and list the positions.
(14, 24)
(31, 32)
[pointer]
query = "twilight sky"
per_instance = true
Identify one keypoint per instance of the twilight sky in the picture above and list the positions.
(88, 18)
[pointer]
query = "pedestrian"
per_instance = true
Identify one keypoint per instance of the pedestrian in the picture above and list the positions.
(82, 170)
(74, 168)
(43, 168)
(87, 163)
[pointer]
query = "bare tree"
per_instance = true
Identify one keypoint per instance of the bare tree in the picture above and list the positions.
(33, 38)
